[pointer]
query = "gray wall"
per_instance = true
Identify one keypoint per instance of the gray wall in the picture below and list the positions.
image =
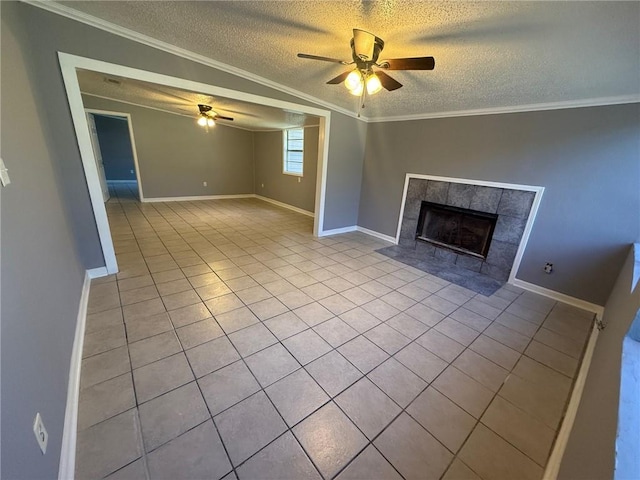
(48, 231)
(590, 451)
(51, 33)
(587, 158)
(268, 157)
(176, 155)
(344, 176)
(115, 148)
(41, 273)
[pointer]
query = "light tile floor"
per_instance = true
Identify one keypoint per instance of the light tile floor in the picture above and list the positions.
(234, 344)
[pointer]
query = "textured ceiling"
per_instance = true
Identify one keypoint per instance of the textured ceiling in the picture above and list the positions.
(488, 54)
(183, 102)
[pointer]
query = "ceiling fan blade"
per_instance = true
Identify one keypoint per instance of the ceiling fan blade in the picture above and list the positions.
(415, 63)
(220, 117)
(388, 82)
(339, 79)
(363, 43)
(323, 59)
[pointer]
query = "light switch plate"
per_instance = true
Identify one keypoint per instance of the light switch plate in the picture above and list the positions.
(4, 174)
(41, 433)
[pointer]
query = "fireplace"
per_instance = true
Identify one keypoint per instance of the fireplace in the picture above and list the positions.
(458, 229)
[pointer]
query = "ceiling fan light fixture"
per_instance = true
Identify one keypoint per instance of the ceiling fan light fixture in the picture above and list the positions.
(202, 121)
(373, 84)
(210, 122)
(354, 81)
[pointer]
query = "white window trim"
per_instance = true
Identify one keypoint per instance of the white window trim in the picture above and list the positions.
(284, 153)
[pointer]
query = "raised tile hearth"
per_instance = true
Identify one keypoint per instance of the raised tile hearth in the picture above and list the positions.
(513, 207)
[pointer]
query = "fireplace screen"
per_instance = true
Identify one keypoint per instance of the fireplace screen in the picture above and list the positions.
(459, 229)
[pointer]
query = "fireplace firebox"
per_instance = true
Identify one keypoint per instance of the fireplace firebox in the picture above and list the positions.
(459, 229)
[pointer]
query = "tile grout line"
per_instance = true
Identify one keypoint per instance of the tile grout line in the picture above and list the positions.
(359, 333)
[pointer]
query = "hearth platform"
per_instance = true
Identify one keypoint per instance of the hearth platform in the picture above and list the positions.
(444, 269)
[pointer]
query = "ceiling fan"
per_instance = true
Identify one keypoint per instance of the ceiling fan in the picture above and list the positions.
(208, 117)
(365, 50)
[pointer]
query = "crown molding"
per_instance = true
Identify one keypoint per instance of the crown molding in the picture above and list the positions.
(112, 28)
(534, 107)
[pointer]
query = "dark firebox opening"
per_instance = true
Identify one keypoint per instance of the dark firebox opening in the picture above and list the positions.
(465, 231)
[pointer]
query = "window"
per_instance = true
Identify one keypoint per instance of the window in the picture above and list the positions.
(293, 151)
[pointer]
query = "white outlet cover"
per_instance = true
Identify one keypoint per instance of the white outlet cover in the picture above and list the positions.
(204, 184)
(41, 433)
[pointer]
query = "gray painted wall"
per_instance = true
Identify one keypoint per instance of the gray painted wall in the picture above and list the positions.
(48, 231)
(41, 273)
(268, 156)
(176, 155)
(51, 33)
(590, 451)
(115, 148)
(587, 158)
(344, 176)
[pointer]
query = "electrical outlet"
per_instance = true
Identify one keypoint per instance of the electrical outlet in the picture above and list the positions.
(299, 179)
(131, 171)
(548, 268)
(263, 185)
(204, 184)
(41, 433)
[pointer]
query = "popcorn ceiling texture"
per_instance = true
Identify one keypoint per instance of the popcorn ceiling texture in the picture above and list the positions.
(488, 54)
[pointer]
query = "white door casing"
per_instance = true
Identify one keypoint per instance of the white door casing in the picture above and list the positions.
(95, 143)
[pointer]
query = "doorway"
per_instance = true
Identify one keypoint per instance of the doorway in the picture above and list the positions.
(114, 152)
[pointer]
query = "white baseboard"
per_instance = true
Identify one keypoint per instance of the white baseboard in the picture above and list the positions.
(337, 231)
(97, 272)
(381, 236)
(122, 182)
(196, 198)
(561, 297)
(555, 459)
(284, 205)
(68, 451)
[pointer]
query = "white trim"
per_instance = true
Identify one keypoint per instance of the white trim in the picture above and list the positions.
(66, 469)
(196, 198)
(534, 107)
(114, 29)
(373, 233)
(338, 231)
(284, 205)
(83, 137)
(101, 24)
(527, 233)
(126, 116)
(555, 459)
(68, 65)
(561, 297)
(321, 174)
(97, 272)
(511, 186)
(121, 182)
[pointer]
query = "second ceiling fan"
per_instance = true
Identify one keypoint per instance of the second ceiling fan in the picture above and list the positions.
(365, 50)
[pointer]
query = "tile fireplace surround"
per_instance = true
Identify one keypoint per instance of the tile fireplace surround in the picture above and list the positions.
(513, 205)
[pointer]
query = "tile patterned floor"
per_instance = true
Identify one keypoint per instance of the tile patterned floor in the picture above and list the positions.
(233, 344)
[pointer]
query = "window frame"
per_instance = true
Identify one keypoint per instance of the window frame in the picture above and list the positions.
(285, 152)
